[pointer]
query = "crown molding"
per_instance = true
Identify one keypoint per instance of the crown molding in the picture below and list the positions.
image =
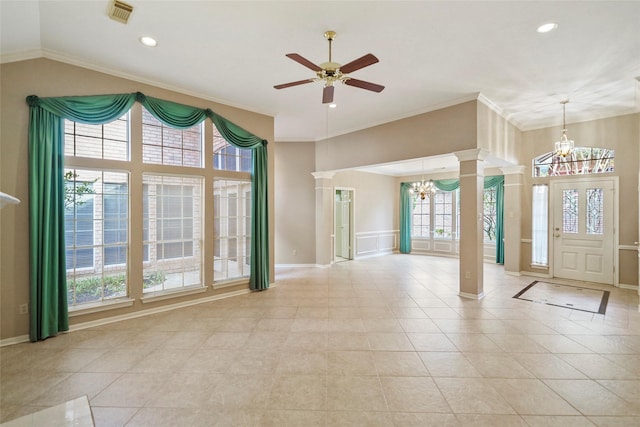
(499, 111)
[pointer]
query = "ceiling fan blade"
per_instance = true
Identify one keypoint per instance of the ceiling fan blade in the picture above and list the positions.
(362, 62)
(304, 61)
(299, 82)
(327, 94)
(364, 85)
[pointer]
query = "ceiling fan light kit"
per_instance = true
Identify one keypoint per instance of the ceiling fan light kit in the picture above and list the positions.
(329, 73)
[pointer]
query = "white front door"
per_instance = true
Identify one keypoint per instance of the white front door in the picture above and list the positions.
(583, 230)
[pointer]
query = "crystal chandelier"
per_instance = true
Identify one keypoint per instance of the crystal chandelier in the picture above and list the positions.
(565, 146)
(423, 188)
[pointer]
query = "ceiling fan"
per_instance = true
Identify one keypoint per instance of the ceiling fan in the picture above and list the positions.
(331, 72)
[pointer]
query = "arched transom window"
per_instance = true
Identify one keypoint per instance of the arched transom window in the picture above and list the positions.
(582, 161)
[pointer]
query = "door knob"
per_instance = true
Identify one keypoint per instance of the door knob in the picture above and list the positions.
(558, 235)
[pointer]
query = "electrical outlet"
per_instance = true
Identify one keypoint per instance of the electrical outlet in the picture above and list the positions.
(294, 252)
(467, 275)
(24, 308)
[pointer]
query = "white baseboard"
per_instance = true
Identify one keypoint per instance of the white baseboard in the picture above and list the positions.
(627, 286)
(296, 265)
(513, 273)
(534, 274)
(14, 340)
(376, 254)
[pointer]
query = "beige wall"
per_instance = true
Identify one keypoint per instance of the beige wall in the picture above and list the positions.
(376, 200)
(496, 135)
(619, 133)
(437, 132)
(47, 78)
(296, 198)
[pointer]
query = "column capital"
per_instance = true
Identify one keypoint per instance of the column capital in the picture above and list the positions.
(323, 174)
(472, 154)
(511, 170)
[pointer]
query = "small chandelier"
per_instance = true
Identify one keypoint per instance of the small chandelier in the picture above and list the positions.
(423, 188)
(565, 146)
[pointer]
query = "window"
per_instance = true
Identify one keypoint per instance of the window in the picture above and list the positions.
(232, 229)
(96, 234)
(489, 213)
(99, 210)
(421, 219)
(583, 160)
(164, 145)
(229, 158)
(433, 217)
(108, 141)
(539, 232)
(443, 215)
(116, 214)
(172, 229)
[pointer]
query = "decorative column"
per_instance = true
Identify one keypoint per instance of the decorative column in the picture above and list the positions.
(324, 217)
(471, 223)
(513, 187)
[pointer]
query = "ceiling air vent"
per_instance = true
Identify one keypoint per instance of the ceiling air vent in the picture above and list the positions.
(120, 11)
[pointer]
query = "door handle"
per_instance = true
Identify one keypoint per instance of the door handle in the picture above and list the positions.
(557, 235)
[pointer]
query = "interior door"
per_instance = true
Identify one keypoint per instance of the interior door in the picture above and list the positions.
(346, 214)
(342, 219)
(583, 230)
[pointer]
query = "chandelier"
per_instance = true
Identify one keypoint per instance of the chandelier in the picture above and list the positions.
(423, 188)
(564, 147)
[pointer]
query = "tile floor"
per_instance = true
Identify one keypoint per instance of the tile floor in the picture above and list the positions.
(377, 342)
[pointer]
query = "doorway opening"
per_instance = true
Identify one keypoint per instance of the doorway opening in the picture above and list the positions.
(343, 224)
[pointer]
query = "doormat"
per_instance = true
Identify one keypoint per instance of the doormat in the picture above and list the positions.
(572, 297)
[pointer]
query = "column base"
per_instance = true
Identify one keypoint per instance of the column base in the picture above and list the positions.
(471, 296)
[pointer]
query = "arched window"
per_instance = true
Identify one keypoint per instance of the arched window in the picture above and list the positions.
(582, 161)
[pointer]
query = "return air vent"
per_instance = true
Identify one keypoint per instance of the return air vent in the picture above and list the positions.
(120, 11)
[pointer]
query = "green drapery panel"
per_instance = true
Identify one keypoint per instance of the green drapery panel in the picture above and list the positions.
(452, 185)
(499, 184)
(48, 311)
(48, 289)
(406, 209)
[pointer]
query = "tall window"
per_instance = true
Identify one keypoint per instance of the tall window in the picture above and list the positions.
(489, 213)
(172, 230)
(421, 218)
(443, 215)
(96, 234)
(540, 224)
(232, 229)
(435, 216)
(227, 157)
(96, 206)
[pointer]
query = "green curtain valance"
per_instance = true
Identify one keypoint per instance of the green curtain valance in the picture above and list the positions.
(48, 299)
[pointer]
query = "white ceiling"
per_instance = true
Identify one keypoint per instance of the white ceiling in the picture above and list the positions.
(432, 54)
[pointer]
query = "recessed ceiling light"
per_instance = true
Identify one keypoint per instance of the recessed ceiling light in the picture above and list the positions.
(545, 28)
(148, 41)
(333, 105)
